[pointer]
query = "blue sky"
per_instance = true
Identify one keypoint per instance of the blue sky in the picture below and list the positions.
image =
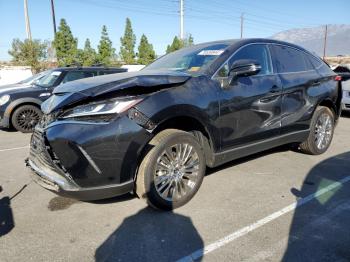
(206, 20)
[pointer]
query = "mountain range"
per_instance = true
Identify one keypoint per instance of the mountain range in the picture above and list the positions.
(312, 39)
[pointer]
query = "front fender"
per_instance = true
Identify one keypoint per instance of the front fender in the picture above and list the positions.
(197, 99)
(21, 101)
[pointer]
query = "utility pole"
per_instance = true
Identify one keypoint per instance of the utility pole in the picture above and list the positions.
(242, 21)
(53, 17)
(325, 42)
(181, 19)
(26, 16)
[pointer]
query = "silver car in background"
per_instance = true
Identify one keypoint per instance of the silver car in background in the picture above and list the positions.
(344, 72)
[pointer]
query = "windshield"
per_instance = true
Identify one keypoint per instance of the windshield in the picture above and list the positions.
(49, 79)
(32, 78)
(190, 60)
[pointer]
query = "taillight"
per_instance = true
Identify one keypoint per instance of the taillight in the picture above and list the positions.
(337, 78)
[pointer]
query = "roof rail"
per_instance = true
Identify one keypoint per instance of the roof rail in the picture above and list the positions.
(99, 64)
(75, 64)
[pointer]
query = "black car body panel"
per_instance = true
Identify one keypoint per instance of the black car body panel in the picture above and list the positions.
(80, 90)
(246, 115)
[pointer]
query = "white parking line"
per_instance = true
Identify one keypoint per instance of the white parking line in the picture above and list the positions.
(14, 148)
(245, 230)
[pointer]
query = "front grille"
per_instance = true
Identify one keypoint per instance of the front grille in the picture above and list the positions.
(347, 105)
(41, 153)
(38, 149)
(46, 119)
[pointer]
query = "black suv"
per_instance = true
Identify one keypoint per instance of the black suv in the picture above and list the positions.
(155, 131)
(20, 103)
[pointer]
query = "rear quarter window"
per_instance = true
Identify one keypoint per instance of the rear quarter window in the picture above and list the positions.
(316, 62)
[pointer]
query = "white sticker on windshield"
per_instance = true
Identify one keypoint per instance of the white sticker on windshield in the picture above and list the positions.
(211, 52)
(56, 73)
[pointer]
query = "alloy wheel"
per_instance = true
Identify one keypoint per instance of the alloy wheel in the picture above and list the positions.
(323, 131)
(27, 119)
(176, 172)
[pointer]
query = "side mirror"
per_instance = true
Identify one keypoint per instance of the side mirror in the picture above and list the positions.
(244, 67)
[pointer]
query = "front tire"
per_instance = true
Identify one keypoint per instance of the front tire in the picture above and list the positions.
(321, 132)
(172, 171)
(25, 118)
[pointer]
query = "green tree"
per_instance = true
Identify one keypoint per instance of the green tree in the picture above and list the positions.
(127, 53)
(105, 49)
(65, 45)
(175, 45)
(146, 52)
(89, 54)
(178, 44)
(79, 57)
(189, 40)
(28, 52)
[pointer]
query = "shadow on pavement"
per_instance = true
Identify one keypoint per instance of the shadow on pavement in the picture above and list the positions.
(320, 230)
(345, 114)
(8, 130)
(6, 217)
(151, 235)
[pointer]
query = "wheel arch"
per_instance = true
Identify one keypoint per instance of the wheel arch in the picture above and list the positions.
(194, 125)
(18, 103)
(329, 104)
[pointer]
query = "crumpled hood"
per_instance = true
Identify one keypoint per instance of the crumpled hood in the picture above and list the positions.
(76, 91)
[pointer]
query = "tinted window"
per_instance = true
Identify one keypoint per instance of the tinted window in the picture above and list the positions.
(256, 52)
(75, 75)
(107, 72)
(49, 80)
(290, 60)
(191, 59)
(316, 62)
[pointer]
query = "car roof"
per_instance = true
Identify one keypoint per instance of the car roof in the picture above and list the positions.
(90, 68)
(245, 41)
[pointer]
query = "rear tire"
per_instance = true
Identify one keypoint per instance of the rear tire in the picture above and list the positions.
(25, 118)
(172, 170)
(321, 132)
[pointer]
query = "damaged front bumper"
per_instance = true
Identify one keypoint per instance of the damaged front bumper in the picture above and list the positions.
(61, 186)
(87, 161)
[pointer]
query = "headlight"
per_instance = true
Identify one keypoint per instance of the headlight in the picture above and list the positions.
(4, 99)
(103, 108)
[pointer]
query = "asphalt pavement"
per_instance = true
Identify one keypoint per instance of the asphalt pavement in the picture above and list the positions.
(279, 205)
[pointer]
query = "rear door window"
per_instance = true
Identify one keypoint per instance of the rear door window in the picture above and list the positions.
(289, 60)
(106, 72)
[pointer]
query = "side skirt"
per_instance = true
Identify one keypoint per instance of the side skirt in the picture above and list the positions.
(242, 151)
